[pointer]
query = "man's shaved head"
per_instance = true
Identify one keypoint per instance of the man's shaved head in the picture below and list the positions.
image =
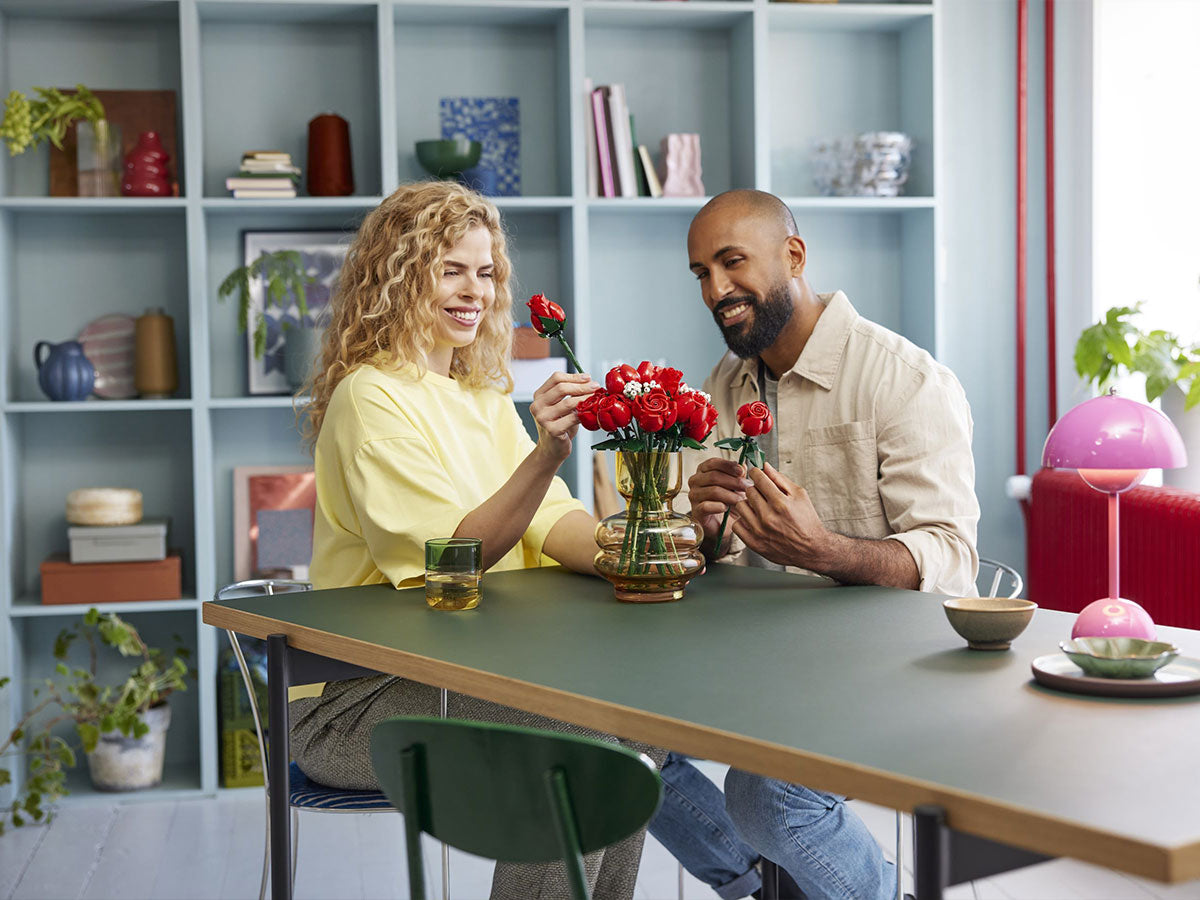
(755, 204)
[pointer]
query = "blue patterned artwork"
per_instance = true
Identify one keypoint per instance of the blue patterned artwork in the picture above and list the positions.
(496, 123)
(284, 538)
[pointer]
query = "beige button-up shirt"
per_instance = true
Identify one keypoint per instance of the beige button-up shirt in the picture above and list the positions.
(878, 433)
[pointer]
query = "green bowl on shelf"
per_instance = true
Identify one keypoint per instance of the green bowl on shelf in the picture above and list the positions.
(447, 159)
(1118, 657)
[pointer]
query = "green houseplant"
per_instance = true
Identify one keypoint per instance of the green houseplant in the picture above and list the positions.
(283, 274)
(102, 714)
(1115, 343)
(28, 123)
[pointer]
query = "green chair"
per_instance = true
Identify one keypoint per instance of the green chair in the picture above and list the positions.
(511, 794)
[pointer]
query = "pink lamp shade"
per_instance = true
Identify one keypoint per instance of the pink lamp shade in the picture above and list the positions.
(1112, 432)
(1112, 441)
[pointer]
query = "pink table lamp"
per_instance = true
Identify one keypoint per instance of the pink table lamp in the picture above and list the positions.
(1112, 441)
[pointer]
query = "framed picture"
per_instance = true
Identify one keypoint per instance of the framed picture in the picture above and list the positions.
(272, 521)
(322, 253)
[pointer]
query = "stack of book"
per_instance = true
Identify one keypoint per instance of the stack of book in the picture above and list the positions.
(264, 175)
(618, 166)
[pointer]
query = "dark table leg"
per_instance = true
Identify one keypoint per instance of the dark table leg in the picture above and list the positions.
(777, 884)
(932, 853)
(278, 758)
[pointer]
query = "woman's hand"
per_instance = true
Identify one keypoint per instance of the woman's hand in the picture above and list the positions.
(553, 409)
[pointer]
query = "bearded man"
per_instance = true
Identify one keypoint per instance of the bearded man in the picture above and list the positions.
(869, 479)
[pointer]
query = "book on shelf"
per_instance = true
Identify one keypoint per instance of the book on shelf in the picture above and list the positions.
(648, 168)
(618, 113)
(643, 186)
(589, 128)
(269, 168)
(603, 156)
(260, 183)
(267, 154)
(251, 194)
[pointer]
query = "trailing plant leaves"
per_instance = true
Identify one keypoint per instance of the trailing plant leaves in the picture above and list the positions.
(89, 734)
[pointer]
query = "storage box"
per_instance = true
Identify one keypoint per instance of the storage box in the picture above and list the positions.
(65, 582)
(118, 543)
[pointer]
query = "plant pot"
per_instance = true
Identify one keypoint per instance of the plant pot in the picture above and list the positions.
(648, 551)
(121, 763)
(1188, 423)
(301, 347)
(98, 159)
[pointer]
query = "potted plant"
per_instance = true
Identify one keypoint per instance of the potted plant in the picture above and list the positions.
(1116, 344)
(28, 122)
(284, 277)
(121, 727)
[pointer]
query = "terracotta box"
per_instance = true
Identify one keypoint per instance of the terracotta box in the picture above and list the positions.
(65, 582)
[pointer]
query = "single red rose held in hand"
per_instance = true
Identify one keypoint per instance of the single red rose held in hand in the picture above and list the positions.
(755, 419)
(541, 308)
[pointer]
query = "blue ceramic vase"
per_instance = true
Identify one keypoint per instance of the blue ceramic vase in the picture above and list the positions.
(64, 373)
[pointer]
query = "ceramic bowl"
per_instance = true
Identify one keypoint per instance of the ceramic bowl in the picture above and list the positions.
(988, 623)
(445, 159)
(1118, 657)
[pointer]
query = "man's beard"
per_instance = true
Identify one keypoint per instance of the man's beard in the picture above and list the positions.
(770, 315)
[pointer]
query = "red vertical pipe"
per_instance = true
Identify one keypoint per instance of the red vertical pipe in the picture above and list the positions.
(1051, 286)
(1022, 112)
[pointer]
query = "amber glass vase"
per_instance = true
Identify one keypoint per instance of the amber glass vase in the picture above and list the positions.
(648, 551)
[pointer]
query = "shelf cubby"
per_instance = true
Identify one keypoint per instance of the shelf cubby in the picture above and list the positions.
(158, 629)
(54, 453)
(103, 45)
(68, 270)
(839, 82)
(268, 68)
(502, 50)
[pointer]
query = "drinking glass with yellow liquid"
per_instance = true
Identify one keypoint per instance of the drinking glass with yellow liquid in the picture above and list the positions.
(453, 569)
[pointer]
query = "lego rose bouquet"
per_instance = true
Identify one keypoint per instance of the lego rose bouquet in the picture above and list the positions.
(648, 551)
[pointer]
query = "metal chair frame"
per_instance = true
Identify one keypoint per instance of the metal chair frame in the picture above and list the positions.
(269, 586)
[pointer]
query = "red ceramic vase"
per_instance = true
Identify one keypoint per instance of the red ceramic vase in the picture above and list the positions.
(146, 173)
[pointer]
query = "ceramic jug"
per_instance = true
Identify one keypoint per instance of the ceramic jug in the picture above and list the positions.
(64, 373)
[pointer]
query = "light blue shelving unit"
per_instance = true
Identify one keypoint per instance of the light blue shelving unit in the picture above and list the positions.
(758, 80)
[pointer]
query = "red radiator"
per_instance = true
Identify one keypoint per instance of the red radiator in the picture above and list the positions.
(1160, 547)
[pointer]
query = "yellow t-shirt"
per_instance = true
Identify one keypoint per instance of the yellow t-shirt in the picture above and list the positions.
(402, 459)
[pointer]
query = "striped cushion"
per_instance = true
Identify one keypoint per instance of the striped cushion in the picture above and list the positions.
(310, 795)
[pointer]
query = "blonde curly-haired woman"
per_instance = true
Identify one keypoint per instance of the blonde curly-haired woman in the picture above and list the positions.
(416, 436)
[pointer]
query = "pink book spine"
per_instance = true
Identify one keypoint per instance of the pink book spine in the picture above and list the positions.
(602, 141)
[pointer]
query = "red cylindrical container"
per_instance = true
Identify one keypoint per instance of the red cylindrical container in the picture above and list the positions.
(329, 170)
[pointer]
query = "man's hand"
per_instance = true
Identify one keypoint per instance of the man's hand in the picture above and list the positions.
(777, 520)
(717, 485)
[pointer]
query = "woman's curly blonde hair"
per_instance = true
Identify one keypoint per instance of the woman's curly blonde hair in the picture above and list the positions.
(383, 301)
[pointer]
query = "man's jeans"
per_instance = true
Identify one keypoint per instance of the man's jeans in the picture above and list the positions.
(693, 825)
(821, 843)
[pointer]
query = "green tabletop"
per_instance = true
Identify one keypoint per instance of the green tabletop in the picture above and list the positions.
(862, 690)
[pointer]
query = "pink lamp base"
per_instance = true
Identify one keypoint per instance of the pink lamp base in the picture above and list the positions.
(1107, 617)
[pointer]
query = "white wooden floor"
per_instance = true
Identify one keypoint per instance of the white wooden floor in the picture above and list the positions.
(213, 849)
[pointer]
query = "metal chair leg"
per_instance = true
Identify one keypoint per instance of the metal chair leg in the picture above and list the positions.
(445, 704)
(266, 867)
(899, 855)
(680, 880)
(295, 841)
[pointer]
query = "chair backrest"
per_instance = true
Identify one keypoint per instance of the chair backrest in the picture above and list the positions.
(995, 578)
(511, 794)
